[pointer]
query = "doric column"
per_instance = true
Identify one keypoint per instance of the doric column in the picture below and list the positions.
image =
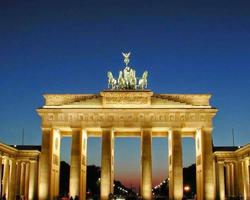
(78, 164)
(6, 177)
(12, 181)
(204, 167)
(232, 179)
(1, 160)
(44, 166)
(49, 166)
(146, 164)
(27, 174)
(18, 177)
(107, 170)
(240, 178)
(221, 180)
(33, 175)
(22, 178)
(236, 179)
(228, 180)
(246, 181)
(175, 165)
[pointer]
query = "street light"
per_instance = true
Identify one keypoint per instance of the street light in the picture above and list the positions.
(186, 188)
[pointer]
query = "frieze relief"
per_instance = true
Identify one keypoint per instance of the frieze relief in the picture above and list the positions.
(130, 116)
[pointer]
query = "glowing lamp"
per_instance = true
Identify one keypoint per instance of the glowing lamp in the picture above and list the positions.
(186, 188)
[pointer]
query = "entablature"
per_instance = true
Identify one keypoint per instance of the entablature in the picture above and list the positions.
(12, 152)
(239, 154)
(117, 117)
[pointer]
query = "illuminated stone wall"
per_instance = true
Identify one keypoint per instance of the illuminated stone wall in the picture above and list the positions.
(125, 113)
(19, 166)
(232, 166)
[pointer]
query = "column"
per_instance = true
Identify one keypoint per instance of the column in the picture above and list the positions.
(12, 181)
(146, 164)
(1, 175)
(240, 178)
(231, 166)
(49, 166)
(32, 193)
(236, 179)
(22, 178)
(5, 177)
(246, 181)
(26, 180)
(175, 165)
(228, 180)
(18, 177)
(78, 166)
(107, 169)
(204, 167)
(221, 180)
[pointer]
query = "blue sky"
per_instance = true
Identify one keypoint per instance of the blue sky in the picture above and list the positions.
(68, 47)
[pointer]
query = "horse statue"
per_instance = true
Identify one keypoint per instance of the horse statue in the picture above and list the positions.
(121, 81)
(111, 81)
(133, 79)
(143, 82)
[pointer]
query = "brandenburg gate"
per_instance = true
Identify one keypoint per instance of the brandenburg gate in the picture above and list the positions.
(126, 109)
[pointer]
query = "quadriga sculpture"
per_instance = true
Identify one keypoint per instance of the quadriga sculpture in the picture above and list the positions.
(127, 79)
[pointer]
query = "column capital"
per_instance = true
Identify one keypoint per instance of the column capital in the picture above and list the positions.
(146, 128)
(46, 129)
(171, 129)
(198, 129)
(107, 129)
(229, 162)
(246, 159)
(33, 161)
(207, 129)
(76, 129)
(221, 162)
(13, 161)
(49, 129)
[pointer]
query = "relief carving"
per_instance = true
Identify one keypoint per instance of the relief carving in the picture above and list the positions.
(198, 160)
(130, 117)
(55, 160)
(126, 98)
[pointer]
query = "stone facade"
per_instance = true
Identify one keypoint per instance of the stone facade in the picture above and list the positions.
(19, 167)
(127, 113)
(232, 167)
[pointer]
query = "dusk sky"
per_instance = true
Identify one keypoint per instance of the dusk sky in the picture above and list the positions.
(68, 47)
